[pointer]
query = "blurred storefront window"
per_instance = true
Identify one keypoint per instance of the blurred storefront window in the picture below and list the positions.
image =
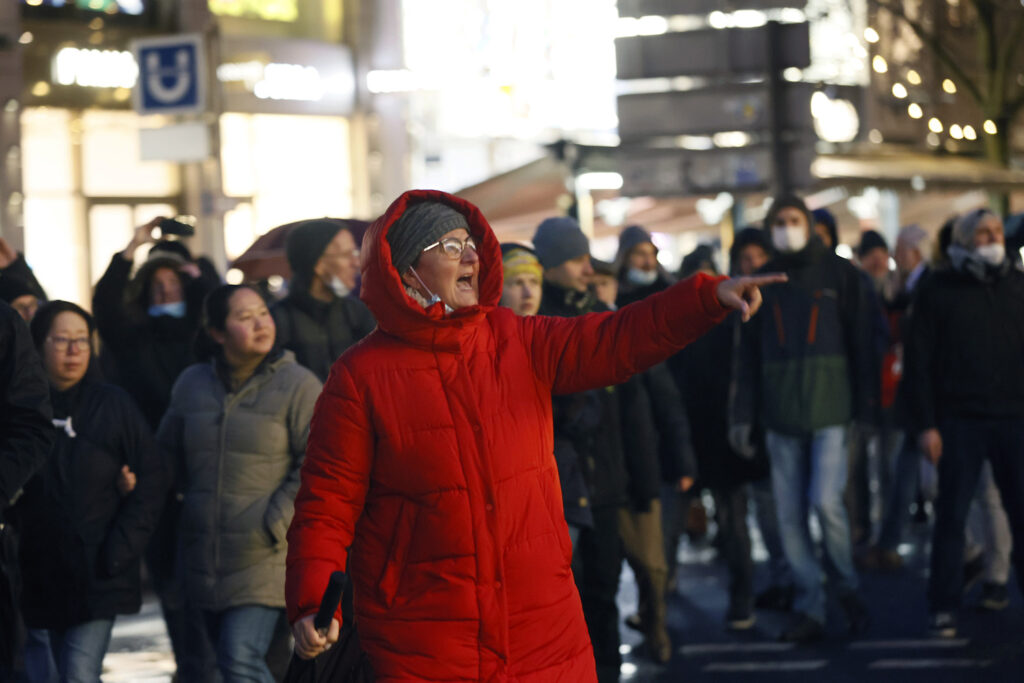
(280, 169)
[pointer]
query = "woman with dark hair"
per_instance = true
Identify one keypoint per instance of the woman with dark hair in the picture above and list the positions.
(236, 430)
(81, 537)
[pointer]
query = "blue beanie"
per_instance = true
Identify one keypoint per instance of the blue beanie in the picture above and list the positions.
(558, 240)
(631, 237)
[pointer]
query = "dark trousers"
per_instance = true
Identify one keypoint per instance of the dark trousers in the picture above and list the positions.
(596, 566)
(966, 442)
(731, 512)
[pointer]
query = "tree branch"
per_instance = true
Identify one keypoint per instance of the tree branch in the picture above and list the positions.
(936, 46)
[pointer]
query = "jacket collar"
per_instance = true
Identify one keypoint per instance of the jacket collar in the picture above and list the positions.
(397, 313)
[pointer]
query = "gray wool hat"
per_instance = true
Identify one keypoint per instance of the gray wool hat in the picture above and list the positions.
(421, 225)
(558, 240)
(966, 225)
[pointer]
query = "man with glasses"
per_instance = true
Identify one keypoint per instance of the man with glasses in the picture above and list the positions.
(319, 319)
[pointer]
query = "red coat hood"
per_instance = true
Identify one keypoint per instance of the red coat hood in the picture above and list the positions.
(384, 293)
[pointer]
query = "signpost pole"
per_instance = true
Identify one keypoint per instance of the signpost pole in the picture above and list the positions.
(782, 181)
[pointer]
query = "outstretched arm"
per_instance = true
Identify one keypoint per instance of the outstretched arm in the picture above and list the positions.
(602, 349)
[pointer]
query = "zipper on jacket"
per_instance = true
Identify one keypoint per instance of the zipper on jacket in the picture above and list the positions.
(812, 327)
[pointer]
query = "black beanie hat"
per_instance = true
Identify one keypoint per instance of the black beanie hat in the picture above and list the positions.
(420, 226)
(170, 249)
(306, 244)
(787, 201)
(870, 239)
(828, 219)
(13, 287)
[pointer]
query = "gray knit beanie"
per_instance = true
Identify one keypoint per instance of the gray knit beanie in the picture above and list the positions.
(558, 240)
(421, 225)
(966, 225)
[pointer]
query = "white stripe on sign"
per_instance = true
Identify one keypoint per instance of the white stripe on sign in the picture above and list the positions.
(937, 643)
(753, 667)
(929, 663)
(720, 648)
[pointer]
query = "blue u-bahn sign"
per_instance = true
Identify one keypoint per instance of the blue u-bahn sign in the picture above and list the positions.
(172, 74)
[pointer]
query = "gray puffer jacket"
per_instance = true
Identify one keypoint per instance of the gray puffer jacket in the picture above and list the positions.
(237, 456)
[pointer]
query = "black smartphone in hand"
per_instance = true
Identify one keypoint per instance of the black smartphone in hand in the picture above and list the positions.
(183, 226)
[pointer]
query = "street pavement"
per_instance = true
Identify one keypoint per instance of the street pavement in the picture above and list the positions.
(990, 646)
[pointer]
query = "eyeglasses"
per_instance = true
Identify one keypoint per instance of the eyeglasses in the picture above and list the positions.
(63, 343)
(453, 246)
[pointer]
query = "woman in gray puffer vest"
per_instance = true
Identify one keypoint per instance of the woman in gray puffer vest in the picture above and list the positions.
(235, 433)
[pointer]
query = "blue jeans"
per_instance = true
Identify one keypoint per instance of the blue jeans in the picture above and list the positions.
(809, 474)
(966, 443)
(242, 636)
(73, 655)
(768, 523)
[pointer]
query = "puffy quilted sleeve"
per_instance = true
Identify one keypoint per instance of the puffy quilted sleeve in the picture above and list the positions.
(603, 349)
(335, 478)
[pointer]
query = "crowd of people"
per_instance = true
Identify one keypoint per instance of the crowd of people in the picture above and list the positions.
(395, 414)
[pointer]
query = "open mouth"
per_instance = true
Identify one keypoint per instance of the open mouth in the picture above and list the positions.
(466, 280)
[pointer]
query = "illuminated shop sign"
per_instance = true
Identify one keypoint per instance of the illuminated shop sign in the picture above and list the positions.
(95, 68)
(105, 6)
(278, 81)
(286, 76)
(268, 10)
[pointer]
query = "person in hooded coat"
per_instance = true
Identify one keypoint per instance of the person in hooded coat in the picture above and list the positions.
(430, 454)
(320, 318)
(147, 325)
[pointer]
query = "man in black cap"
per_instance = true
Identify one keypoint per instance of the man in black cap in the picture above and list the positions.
(590, 420)
(319, 319)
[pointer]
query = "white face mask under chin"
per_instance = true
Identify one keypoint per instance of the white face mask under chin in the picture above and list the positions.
(789, 239)
(993, 254)
(420, 299)
(339, 288)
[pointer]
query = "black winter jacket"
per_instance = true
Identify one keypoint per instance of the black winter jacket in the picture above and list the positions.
(81, 540)
(656, 435)
(144, 355)
(25, 430)
(317, 332)
(703, 371)
(806, 360)
(965, 350)
(590, 420)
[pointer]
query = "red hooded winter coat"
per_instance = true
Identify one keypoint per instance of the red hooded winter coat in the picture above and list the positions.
(431, 454)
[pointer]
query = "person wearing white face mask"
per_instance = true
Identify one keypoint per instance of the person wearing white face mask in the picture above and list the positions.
(804, 371)
(319, 319)
(640, 274)
(965, 382)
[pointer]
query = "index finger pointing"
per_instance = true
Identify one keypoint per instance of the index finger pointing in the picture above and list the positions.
(766, 279)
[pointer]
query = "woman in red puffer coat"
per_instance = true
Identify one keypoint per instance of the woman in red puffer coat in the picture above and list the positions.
(430, 454)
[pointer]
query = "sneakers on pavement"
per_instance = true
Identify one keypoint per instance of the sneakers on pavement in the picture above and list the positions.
(740, 616)
(994, 597)
(803, 629)
(942, 625)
